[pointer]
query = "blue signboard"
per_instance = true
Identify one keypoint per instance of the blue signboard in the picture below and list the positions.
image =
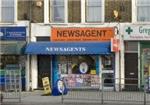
(52, 48)
(13, 33)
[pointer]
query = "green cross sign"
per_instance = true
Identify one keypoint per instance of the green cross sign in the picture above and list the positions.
(129, 30)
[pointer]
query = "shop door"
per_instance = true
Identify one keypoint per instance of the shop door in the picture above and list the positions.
(131, 71)
(44, 68)
(108, 71)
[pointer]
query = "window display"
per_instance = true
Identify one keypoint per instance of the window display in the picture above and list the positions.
(146, 67)
(79, 80)
(9, 59)
(76, 64)
(107, 62)
(78, 71)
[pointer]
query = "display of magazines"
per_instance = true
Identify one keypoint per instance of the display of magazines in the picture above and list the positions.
(82, 81)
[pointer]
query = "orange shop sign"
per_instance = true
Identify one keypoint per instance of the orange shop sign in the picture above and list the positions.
(82, 34)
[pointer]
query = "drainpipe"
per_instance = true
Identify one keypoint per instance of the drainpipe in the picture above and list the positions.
(29, 40)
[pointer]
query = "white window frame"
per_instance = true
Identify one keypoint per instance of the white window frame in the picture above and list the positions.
(47, 16)
(102, 9)
(46, 11)
(140, 5)
(51, 9)
(15, 13)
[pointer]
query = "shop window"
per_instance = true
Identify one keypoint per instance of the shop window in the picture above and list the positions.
(7, 60)
(76, 64)
(93, 10)
(56, 10)
(107, 62)
(143, 10)
(78, 71)
(74, 11)
(7, 10)
(118, 10)
(32, 10)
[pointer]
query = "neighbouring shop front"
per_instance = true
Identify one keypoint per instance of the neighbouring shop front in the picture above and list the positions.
(79, 63)
(136, 40)
(145, 64)
(12, 46)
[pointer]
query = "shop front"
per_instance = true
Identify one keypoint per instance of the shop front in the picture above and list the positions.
(78, 63)
(13, 41)
(81, 56)
(145, 65)
(136, 40)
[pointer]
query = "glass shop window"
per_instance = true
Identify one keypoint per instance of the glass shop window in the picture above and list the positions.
(107, 62)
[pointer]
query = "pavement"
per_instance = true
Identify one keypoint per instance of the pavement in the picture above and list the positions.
(37, 98)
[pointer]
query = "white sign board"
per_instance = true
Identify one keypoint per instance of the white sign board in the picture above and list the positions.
(137, 32)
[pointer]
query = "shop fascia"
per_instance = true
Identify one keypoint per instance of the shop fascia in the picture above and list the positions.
(144, 30)
(137, 32)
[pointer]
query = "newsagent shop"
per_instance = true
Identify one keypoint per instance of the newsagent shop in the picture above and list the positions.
(79, 55)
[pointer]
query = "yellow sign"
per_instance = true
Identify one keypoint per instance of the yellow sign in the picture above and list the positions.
(93, 72)
(46, 85)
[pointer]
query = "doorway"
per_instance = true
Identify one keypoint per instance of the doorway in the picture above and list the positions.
(108, 71)
(44, 68)
(131, 71)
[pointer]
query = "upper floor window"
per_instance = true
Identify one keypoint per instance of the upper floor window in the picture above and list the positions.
(7, 9)
(93, 10)
(32, 10)
(74, 11)
(143, 10)
(118, 10)
(56, 10)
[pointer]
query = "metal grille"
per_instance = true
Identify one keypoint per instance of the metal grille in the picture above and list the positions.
(122, 93)
(12, 86)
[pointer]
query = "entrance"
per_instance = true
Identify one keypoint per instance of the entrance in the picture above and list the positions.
(108, 71)
(44, 68)
(131, 71)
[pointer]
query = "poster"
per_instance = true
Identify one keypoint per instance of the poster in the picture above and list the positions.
(95, 81)
(62, 68)
(79, 80)
(82, 81)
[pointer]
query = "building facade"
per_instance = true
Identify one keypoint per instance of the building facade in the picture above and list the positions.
(52, 21)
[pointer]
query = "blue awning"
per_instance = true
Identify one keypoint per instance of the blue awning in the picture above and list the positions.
(68, 48)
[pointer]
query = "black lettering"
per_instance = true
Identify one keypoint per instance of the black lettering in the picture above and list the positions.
(71, 33)
(65, 33)
(93, 33)
(104, 33)
(88, 34)
(99, 33)
(59, 34)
